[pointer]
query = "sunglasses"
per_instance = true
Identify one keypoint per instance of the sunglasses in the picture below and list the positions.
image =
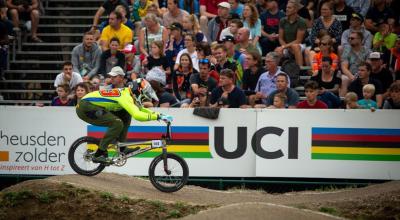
(204, 61)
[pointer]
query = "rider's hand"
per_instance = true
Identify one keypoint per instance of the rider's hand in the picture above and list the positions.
(166, 118)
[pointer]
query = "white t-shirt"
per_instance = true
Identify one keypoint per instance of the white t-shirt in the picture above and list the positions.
(195, 59)
(75, 79)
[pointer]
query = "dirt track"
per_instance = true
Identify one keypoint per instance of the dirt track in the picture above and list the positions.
(233, 204)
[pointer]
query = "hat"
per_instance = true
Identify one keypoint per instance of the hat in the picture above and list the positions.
(129, 48)
(228, 38)
(374, 55)
(225, 5)
(358, 16)
(175, 26)
(116, 70)
(156, 74)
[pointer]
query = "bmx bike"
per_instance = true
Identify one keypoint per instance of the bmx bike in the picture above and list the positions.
(168, 172)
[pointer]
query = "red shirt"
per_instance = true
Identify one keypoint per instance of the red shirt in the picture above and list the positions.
(211, 5)
(317, 105)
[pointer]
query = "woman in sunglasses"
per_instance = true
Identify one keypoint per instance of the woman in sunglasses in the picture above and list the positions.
(326, 50)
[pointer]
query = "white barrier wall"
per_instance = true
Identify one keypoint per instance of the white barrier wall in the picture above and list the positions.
(356, 144)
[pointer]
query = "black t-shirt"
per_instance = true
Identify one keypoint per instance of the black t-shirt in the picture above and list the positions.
(357, 87)
(379, 16)
(162, 61)
(270, 22)
(210, 84)
(385, 77)
(249, 81)
(109, 6)
(236, 98)
(227, 65)
(167, 97)
(344, 16)
(327, 85)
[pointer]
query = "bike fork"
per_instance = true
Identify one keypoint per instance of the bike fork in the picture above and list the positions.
(165, 160)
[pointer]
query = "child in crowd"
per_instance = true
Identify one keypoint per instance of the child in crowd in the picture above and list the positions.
(232, 29)
(158, 59)
(279, 101)
(62, 98)
(367, 102)
(81, 90)
(351, 100)
(111, 58)
(311, 90)
(132, 62)
(394, 93)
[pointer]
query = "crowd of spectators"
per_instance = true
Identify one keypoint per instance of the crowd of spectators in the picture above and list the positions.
(232, 53)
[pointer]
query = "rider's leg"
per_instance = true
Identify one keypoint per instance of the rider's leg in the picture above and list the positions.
(126, 119)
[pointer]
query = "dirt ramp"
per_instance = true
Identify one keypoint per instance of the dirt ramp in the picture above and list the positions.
(258, 211)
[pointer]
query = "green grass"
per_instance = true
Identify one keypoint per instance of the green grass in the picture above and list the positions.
(106, 196)
(15, 198)
(328, 210)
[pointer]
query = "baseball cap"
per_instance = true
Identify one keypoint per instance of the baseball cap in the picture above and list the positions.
(175, 26)
(228, 38)
(374, 55)
(116, 70)
(129, 48)
(224, 5)
(358, 16)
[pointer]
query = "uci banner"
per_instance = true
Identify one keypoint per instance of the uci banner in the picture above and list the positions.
(355, 144)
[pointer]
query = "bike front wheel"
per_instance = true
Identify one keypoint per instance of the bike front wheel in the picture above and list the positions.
(170, 178)
(80, 156)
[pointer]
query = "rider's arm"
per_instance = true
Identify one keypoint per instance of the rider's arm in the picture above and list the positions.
(142, 114)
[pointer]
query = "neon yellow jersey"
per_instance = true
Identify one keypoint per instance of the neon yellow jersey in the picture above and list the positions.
(118, 99)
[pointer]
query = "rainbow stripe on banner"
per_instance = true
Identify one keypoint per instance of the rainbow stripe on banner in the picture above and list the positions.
(372, 144)
(187, 141)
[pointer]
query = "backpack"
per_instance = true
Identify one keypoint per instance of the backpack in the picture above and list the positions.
(289, 66)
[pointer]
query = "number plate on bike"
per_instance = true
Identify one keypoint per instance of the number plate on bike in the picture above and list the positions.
(156, 143)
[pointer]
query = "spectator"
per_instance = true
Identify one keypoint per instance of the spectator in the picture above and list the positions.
(270, 27)
(326, 22)
(227, 93)
(343, 13)
(95, 83)
(379, 13)
(380, 72)
(311, 90)
(234, 56)
(191, 26)
(384, 39)
(356, 25)
(367, 103)
(127, 22)
(351, 58)
(393, 102)
(350, 100)
(85, 57)
(191, 6)
(218, 23)
(67, 76)
(181, 78)
(252, 74)
(202, 99)
(208, 11)
(140, 10)
(174, 13)
(327, 78)
(395, 55)
(80, 91)
(279, 101)
(115, 29)
(282, 86)
(204, 52)
(364, 71)
(359, 6)
(220, 53)
(292, 30)
(266, 83)
(132, 62)
(232, 29)
(157, 58)
(25, 10)
(107, 7)
(203, 79)
(157, 80)
(236, 7)
(116, 78)
(62, 98)
(111, 57)
(242, 41)
(191, 50)
(262, 6)
(175, 43)
(151, 32)
(252, 22)
(326, 50)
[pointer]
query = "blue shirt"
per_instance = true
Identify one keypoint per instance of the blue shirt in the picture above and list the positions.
(238, 10)
(196, 7)
(367, 104)
(266, 83)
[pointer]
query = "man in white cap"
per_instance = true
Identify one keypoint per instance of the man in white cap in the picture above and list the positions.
(217, 24)
(117, 78)
(380, 72)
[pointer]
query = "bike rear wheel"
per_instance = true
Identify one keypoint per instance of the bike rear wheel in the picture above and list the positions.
(175, 180)
(80, 157)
